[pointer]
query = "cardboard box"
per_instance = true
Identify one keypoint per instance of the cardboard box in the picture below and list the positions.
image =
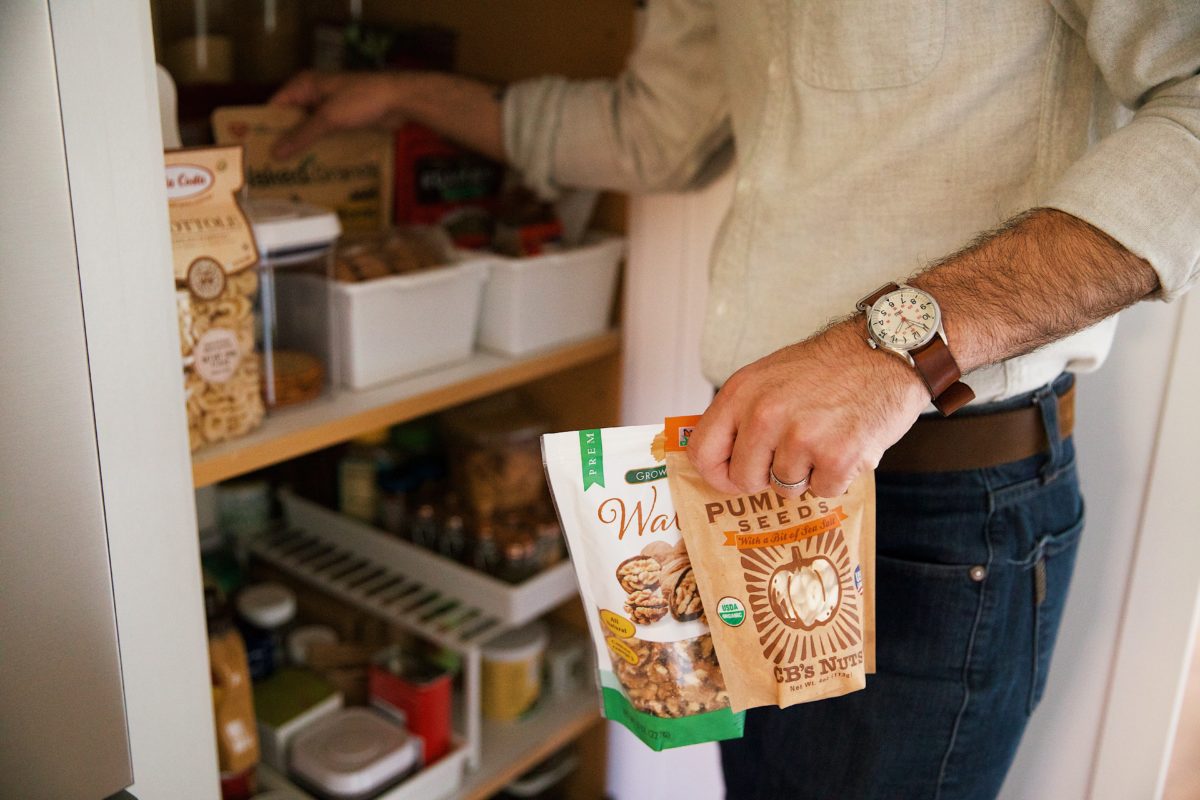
(350, 173)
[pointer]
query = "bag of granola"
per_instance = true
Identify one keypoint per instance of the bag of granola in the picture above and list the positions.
(659, 675)
(790, 582)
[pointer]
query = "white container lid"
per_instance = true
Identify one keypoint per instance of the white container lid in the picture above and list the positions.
(299, 640)
(284, 227)
(519, 644)
(352, 752)
(267, 605)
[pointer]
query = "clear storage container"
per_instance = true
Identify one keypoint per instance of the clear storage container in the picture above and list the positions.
(353, 754)
(295, 243)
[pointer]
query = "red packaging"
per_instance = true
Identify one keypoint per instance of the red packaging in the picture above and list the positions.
(440, 183)
(420, 691)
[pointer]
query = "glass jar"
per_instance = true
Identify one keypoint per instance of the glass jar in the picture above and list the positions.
(265, 612)
(496, 457)
(268, 41)
(198, 45)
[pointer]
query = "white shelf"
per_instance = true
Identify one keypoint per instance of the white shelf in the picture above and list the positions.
(412, 588)
(438, 598)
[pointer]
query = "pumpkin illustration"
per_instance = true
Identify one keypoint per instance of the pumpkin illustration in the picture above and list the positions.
(804, 593)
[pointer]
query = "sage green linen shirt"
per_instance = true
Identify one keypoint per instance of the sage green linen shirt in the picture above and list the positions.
(873, 136)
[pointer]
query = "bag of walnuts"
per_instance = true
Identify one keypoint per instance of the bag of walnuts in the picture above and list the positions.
(659, 674)
(215, 292)
(789, 582)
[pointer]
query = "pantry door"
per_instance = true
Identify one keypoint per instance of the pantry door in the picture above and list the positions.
(62, 725)
(94, 319)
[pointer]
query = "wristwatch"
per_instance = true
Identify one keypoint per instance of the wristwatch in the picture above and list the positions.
(907, 322)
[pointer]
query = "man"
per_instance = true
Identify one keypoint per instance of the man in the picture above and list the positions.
(872, 138)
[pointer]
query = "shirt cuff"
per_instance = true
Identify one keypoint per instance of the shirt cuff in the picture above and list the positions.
(532, 113)
(1141, 186)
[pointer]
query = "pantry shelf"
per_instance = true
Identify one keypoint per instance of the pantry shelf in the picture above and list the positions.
(294, 432)
(509, 749)
(512, 748)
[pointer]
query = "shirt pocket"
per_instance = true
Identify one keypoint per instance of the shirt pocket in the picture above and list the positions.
(852, 45)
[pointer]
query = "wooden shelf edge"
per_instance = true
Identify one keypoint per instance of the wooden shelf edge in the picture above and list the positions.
(274, 443)
(480, 787)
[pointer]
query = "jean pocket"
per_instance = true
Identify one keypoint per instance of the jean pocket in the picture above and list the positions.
(1049, 567)
(924, 616)
(851, 45)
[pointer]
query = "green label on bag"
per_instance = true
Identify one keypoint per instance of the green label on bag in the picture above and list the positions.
(591, 455)
(646, 474)
(662, 733)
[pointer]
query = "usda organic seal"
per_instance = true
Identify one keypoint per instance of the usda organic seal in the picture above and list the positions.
(731, 611)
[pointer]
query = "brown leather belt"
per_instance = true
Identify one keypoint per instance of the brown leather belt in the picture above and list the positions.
(943, 444)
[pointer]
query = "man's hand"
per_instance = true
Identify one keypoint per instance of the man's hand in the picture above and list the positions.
(337, 102)
(833, 404)
(830, 404)
(462, 109)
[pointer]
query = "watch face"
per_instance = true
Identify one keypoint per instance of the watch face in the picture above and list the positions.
(904, 319)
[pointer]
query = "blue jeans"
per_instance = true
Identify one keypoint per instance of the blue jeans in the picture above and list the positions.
(972, 575)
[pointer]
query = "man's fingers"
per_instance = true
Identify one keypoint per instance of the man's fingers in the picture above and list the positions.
(830, 483)
(750, 462)
(301, 137)
(711, 445)
(791, 464)
(305, 89)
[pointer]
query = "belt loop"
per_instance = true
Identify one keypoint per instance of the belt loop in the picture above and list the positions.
(1047, 402)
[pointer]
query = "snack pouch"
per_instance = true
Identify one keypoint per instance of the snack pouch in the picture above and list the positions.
(658, 670)
(789, 582)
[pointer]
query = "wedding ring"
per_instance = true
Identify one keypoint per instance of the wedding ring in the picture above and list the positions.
(800, 484)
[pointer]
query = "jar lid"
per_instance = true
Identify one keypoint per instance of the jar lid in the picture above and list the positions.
(303, 637)
(267, 605)
(518, 644)
(283, 227)
(352, 752)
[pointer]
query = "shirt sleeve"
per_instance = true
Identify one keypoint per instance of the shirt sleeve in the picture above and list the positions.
(1141, 184)
(659, 126)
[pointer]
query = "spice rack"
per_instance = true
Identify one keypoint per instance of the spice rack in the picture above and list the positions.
(416, 590)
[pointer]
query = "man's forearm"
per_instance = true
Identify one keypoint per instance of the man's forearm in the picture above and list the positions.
(1041, 277)
(463, 109)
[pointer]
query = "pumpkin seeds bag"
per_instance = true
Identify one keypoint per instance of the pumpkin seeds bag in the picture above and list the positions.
(789, 582)
(659, 674)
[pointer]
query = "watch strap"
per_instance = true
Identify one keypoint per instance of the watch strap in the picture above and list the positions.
(873, 298)
(941, 374)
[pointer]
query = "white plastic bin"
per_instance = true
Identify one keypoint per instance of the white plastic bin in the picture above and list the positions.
(392, 327)
(537, 302)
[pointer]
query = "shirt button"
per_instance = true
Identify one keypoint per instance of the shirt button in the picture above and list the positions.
(977, 572)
